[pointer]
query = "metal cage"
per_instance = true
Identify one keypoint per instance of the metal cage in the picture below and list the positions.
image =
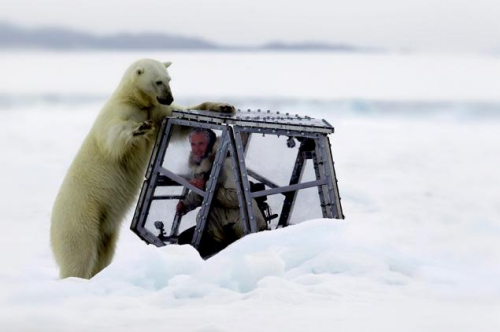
(236, 132)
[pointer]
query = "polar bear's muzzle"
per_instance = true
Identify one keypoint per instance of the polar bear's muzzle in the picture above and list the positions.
(165, 101)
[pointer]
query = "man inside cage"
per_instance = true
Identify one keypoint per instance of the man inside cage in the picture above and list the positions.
(224, 224)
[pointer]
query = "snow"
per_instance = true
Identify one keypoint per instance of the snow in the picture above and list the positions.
(418, 250)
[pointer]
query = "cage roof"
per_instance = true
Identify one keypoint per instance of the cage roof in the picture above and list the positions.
(258, 119)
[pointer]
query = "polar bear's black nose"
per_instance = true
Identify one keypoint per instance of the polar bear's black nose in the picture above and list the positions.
(165, 101)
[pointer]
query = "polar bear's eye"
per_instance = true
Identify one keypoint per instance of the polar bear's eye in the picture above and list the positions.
(159, 82)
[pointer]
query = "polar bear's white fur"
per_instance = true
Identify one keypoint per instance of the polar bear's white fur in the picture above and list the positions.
(106, 174)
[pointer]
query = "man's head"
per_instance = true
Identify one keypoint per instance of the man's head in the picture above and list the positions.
(202, 141)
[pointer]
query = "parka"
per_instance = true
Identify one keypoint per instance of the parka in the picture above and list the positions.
(224, 223)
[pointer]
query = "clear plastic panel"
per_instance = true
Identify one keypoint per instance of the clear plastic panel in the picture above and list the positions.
(166, 197)
(274, 158)
(177, 153)
(163, 211)
(270, 157)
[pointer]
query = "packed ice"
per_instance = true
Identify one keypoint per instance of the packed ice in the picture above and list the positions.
(416, 153)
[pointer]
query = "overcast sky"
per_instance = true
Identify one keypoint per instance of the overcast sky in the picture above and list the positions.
(436, 25)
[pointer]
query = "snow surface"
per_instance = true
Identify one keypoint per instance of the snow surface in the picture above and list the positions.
(419, 249)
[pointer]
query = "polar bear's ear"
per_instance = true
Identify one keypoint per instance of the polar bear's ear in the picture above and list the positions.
(139, 71)
(167, 64)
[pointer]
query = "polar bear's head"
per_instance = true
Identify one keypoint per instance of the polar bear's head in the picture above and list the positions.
(150, 82)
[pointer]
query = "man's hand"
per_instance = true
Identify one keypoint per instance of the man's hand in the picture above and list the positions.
(198, 183)
(181, 208)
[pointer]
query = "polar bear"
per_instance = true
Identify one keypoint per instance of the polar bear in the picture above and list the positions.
(107, 172)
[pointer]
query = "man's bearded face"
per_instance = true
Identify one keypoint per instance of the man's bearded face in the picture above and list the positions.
(199, 145)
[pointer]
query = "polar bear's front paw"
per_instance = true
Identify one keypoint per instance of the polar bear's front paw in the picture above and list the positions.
(227, 108)
(144, 128)
(216, 107)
